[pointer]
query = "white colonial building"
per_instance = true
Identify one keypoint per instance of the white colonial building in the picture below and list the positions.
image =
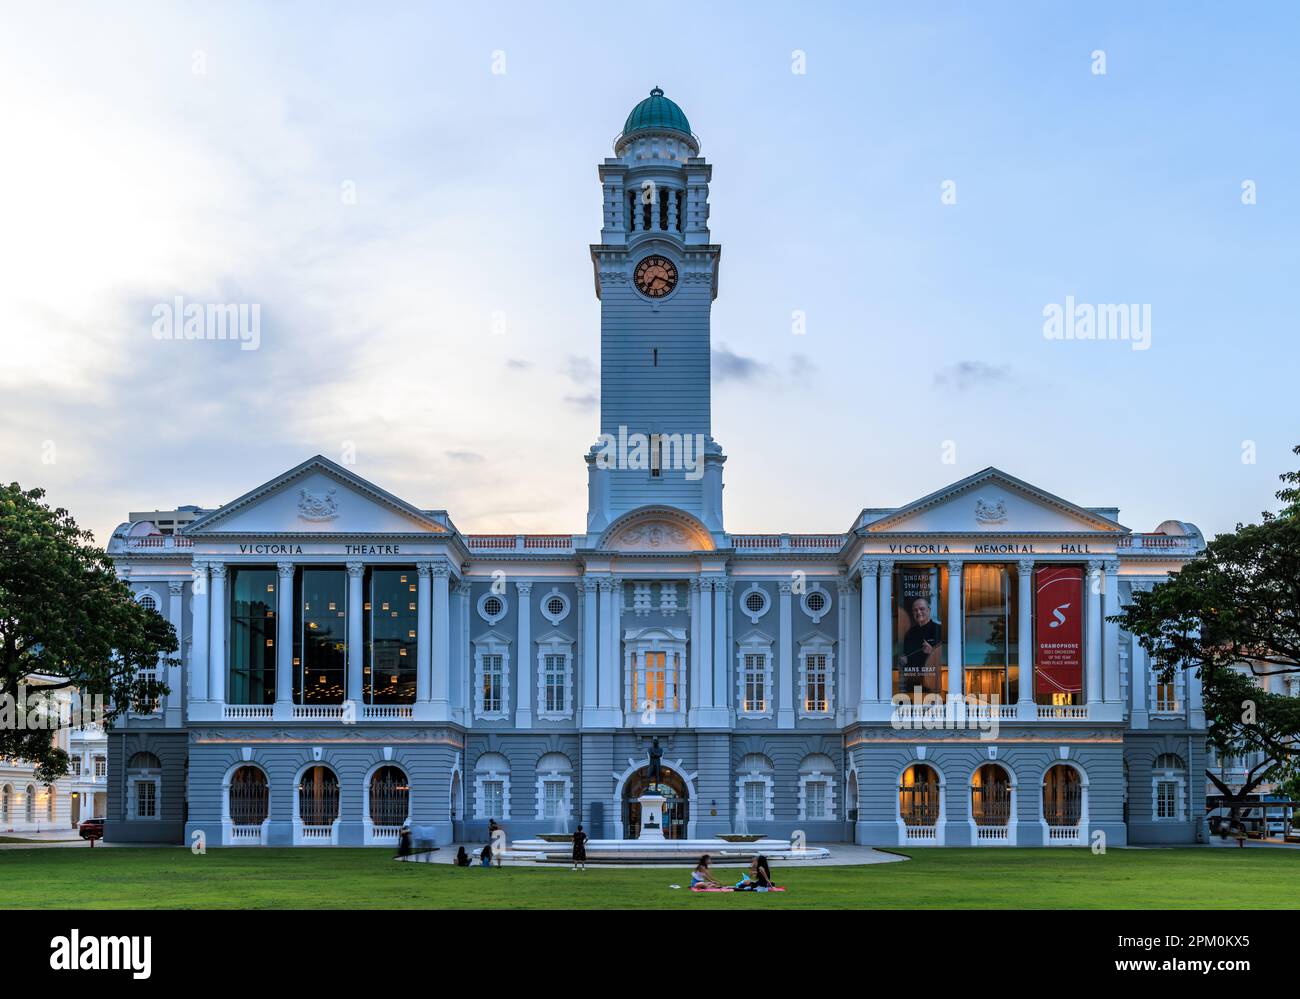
(940, 673)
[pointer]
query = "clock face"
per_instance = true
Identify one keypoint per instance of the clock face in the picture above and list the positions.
(655, 276)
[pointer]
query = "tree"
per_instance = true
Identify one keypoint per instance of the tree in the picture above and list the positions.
(1233, 615)
(66, 621)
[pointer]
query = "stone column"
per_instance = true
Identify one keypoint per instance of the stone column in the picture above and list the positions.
(1110, 631)
(704, 651)
(217, 635)
(697, 677)
(869, 687)
(356, 646)
(606, 694)
(175, 617)
(1137, 676)
(440, 661)
(785, 662)
(198, 674)
(885, 632)
(713, 681)
(1092, 636)
(1196, 700)
(614, 678)
(524, 702)
(1025, 638)
(424, 634)
(285, 623)
(590, 647)
(953, 611)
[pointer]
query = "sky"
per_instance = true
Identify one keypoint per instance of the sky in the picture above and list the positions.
(407, 193)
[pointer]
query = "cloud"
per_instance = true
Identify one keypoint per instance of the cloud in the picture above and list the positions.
(580, 370)
(972, 374)
(729, 366)
(466, 457)
(583, 402)
(518, 364)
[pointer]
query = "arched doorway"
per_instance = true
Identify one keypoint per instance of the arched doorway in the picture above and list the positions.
(672, 787)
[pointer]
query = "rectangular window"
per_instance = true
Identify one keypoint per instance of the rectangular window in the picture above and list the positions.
(990, 632)
(755, 680)
(493, 683)
(320, 648)
(252, 635)
(75, 765)
(389, 625)
(920, 652)
(816, 680)
(815, 799)
(146, 799)
(554, 677)
(755, 800)
(494, 799)
(1166, 698)
(101, 766)
(552, 799)
(654, 672)
(1167, 799)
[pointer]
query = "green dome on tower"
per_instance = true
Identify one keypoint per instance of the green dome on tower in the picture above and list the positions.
(657, 112)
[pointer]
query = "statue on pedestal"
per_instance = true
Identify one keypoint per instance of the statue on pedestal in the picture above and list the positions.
(656, 770)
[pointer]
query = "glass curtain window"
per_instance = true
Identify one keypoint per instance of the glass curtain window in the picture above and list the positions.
(320, 653)
(389, 624)
(990, 632)
(252, 635)
(920, 655)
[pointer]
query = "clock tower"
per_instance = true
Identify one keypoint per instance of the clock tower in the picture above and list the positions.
(656, 274)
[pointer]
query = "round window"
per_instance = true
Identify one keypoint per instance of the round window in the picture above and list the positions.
(493, 606)
(754, 602)
(555, 606)
(816, 601)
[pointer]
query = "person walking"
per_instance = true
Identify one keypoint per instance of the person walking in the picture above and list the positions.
(579, 848)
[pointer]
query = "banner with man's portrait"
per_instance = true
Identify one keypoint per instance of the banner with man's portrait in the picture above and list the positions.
(920, 645)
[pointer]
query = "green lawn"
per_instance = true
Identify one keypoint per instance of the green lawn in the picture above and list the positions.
(343, 878)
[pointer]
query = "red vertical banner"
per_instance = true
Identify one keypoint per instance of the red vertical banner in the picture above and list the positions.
(1058, 638)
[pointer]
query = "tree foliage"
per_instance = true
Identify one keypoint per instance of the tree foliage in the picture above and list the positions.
(1232, 615)
(67, 621)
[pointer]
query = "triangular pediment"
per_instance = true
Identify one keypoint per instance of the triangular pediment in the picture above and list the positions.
(317, 497)
(993, 502)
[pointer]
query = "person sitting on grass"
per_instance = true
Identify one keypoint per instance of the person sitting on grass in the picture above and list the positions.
(702, 875)
(462, 858)
(758, 877)
(485, 856)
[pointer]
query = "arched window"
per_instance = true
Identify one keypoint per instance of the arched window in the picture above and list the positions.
(553, 788)
(318, 798)
(49, 802)
(492, 787)
(250, 798)
(817, 788)
(144, 786)
(755, 788)
(919, 795)
(31, 802)
(390, 797)
(990, 796)
(1168, 788)
(6, 802)
(1062, 797)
